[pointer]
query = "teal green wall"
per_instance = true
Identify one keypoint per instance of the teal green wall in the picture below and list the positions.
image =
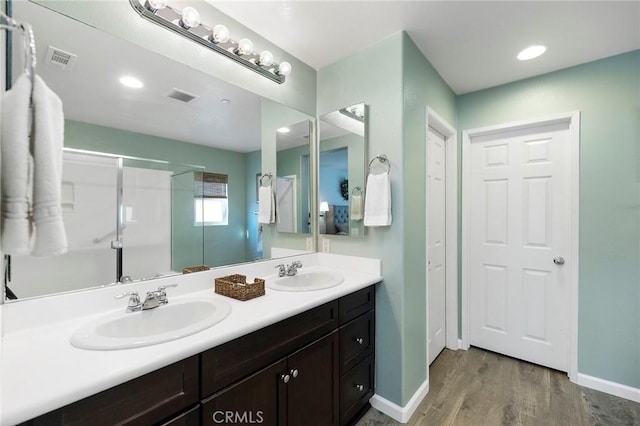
(397, 94)
(422, 87)
(222, 244)
(607, 93)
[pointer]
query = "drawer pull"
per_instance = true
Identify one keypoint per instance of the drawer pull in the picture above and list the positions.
(359, 387)
(294, 373)
(285, 378)
(359, 340)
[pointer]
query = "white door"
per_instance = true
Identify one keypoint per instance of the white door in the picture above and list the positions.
(286, 196)
(519, 223)
(436, 242)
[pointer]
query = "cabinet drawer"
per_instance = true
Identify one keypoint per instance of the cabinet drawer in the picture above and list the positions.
(356, 304)
(356, 387)
(143, 401)
(234, 360)
(356, 341)
(190, 418)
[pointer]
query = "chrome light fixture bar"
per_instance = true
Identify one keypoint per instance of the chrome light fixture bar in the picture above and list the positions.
(186, 22)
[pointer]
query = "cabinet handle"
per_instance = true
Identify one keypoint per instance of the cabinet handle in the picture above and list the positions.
(294, 373)
(359, 387)
(360, 340)
(285, 378)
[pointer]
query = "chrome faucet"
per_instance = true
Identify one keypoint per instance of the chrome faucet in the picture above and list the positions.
(293, 268)
(152, 300)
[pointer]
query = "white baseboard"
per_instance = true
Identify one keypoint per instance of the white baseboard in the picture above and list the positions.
(613, 388)
(396, 412)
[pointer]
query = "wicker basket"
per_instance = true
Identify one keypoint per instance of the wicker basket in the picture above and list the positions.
(236, 286)
(197, 268)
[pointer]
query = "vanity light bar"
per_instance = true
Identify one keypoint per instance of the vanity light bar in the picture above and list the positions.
(186, 22)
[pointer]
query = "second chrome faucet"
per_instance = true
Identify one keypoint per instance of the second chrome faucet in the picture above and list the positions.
(289, 270)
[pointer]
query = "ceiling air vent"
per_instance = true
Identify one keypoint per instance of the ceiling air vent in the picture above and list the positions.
(181, 95)
(60, 58)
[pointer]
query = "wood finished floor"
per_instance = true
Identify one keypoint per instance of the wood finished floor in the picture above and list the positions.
(479, 388)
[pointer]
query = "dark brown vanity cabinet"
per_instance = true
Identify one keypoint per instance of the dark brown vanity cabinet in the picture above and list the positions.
(315, 368)
(301, 389)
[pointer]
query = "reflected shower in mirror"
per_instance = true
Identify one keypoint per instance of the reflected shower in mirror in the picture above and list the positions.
(293, 178)
(171, 216)
(342, 171)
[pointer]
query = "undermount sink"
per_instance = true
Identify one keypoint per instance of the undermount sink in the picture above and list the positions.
(175, 320)
(306, 280)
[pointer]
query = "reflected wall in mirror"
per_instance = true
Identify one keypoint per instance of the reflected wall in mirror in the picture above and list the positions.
(173, 215)
(293, 178)
(342, 171)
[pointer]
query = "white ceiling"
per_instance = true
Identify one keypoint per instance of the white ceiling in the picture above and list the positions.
(91, 93)
(472, 44)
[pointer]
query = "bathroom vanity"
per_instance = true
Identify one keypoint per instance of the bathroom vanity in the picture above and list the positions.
(315, 366)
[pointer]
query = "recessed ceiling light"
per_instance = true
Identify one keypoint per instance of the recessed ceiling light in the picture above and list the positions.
(225, 101)
(532, 52)
(130, 81)
(283, 130)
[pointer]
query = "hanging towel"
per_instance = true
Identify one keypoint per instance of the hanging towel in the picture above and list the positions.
(15, 168)
(356, 207)
(47, 143)
(377, 203)
(266, 208)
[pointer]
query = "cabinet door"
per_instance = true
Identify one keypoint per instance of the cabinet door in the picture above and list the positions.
(313, 392)
(259, 399)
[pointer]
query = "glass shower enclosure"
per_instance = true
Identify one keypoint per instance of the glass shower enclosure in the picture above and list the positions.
(126, 219)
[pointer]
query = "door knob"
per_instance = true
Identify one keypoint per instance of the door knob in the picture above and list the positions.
(294, 373)
(359, 387)
(285, 378)
(559, 260)
(359, 340)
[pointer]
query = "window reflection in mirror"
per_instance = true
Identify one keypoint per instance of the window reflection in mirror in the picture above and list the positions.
(293, 179)
(342, 171)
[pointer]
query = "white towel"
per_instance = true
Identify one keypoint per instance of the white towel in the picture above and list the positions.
(267, 205)
(15, 169)
(31, 170)
(48, 139)
(356, 207)
(377, 202)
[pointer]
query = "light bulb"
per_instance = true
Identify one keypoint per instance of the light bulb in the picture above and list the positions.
(130, 81)
(220, 34)
(283, 130)
(155, 5)
(190, 18)
(284, 69)
(266, 58)
(245, 47)
(531, 52)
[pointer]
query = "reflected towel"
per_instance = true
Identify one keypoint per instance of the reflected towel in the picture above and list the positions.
(15, 168)
(377, 202)
(267, 205)
(356, 207)
(48, 137)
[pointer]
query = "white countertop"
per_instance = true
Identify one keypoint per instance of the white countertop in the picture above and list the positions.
(41, 371)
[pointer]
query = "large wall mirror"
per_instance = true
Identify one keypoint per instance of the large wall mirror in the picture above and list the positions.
(342, 171)
(156, 178)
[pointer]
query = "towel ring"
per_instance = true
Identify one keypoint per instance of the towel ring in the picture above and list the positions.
(383, 160)
(356, 191)
(266, 175)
